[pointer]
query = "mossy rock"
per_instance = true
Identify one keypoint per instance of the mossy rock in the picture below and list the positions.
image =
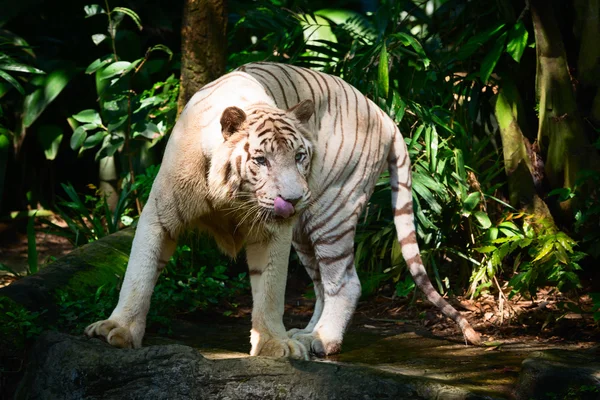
(84, 269)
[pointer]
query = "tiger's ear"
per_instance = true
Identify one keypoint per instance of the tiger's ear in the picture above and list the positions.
(303, 110)
(231, 120)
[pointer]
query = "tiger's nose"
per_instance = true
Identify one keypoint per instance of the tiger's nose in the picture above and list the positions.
(292, 200)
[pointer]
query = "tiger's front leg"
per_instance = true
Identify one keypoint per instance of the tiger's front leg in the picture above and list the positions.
(152, 248)
(268, 265)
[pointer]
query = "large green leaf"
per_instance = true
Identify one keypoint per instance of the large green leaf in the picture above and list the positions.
(49, 88)
(116, 68)
(18, 67)
(475, 42)
(99, 63)
(50, 137)
(79, 136)
(491, 59)
(88, 117)
(517, 41)
(409, 40)
(12, 81)
(382, 72)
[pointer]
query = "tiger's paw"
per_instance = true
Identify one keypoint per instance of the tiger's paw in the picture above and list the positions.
(317, 345)
(270, 346)
(113, 333)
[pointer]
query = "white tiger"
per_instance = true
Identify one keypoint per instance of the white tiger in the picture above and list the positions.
(268, 156)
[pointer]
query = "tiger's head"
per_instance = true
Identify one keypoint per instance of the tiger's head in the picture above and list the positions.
(264, 162)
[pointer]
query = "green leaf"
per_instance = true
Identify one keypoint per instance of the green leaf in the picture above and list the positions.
(160, 47)
(12, 81)
(89, 116)
(36, 102)
(491, 59)
(79, 136)
(151, 131)
(99, 63)
(486, 249)
(547, 248)
(50, 137)
(477, 41)
(517, 41)
(383, 78)
(483, 219)
(509, 229)
(116, 68)
(409, 40)
(93, 9)
(131, 14)
(472, 201)
(98, 38)
(17, 67)
(93, 140)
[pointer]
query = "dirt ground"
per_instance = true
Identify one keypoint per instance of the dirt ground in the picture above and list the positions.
(14, 250)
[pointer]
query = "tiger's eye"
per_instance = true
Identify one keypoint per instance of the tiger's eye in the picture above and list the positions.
(260, 160)
(300, 157)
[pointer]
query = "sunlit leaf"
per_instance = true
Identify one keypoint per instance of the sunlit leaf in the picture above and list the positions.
(483, 219)
(116, 68)
(517, 41)
(382, 72)
(99, 63)
(98, 38)
(18, 67)
(161, 47)
(131, 14)
(50, 136)
(88, 117)
(12, 81)
(93, 9)
(472, 201)
(409, 40)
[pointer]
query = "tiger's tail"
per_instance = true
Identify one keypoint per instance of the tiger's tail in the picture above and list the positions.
(400, 181)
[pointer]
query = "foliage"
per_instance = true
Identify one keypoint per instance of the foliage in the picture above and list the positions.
(194, 279)
(182, 288)
(437, 83)
(541, 256)
(91, 218)
(17, 324)
(128, 117)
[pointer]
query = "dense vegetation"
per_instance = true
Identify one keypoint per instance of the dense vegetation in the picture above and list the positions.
(498, 101)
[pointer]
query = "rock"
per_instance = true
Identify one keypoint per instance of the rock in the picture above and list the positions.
(560, 374)
(86, 267)
(67, 367)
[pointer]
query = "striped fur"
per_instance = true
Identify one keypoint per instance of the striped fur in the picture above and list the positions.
(248, 148)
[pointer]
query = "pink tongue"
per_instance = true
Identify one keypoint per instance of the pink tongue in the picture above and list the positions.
(283, 208)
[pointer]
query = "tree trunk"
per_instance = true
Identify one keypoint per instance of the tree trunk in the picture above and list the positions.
(560, 124)
(203, 46)
(515, 147)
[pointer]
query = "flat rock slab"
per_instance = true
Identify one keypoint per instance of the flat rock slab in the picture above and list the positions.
(68, 367)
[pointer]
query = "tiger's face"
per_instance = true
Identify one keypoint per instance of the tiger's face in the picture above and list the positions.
(270, 159)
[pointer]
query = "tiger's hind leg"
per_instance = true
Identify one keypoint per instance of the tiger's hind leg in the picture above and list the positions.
(339, 287)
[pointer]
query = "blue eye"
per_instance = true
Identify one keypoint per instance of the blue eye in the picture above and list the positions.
(300, 157)
(260, 160)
